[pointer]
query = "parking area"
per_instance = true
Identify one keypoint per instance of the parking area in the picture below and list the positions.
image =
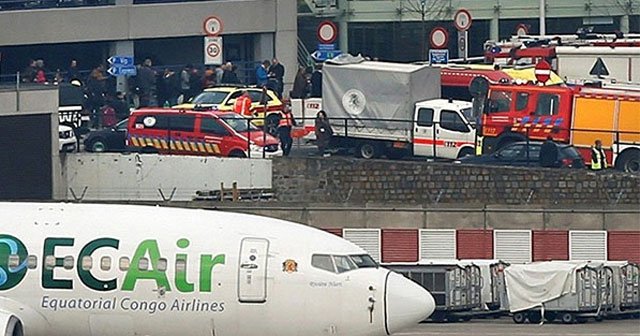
(505, 326)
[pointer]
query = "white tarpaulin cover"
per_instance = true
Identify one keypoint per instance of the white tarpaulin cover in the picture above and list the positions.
(359, 90)
(531, 285)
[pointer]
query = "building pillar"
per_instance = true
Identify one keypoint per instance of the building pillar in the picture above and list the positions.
(286, 41)
(624, 24)
(343, 26)
(263, 47)
(494, 27)
(122, 48)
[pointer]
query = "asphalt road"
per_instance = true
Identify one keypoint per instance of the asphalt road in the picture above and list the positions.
(506, 327)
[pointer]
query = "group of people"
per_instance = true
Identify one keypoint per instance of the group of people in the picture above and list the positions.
(322, 128)
(270, 74)
(36, 72)
(549, 155)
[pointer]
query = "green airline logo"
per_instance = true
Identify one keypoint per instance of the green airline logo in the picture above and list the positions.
(10, 277)
(10, 274)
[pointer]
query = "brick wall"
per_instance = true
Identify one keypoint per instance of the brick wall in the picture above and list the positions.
(342, 180)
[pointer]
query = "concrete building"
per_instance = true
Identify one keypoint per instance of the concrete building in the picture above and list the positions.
(399, 30)
(170, 33)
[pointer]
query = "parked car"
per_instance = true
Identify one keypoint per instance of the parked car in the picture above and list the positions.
(525, 154)
(67, 140)
(110, 139)
(208, 133)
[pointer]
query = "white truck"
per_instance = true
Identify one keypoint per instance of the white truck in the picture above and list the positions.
(390, 109)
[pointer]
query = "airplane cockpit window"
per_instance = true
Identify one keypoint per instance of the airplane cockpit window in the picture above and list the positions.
(124, 264)
(67, 262)
(364, 260)
(105, 263)
(87, 263)
(344, 263)
(323, 262)
(143, 264)
(32, 262)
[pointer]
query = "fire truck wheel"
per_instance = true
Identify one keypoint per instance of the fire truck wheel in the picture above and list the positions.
(519, 317)
(367, 150)
(629, 161)
(568, 318)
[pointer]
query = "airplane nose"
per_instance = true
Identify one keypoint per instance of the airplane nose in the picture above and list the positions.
(407, 303)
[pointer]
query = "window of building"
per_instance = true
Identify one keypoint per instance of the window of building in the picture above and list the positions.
(143, 264)
(14, 261)
(162, 264)
(67, 262)
(181, 265)
(49, 262)
(32, 262)
(124, 263)
(87, 263)
(105, 263)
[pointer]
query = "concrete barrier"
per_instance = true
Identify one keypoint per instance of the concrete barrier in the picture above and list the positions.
(151, 177)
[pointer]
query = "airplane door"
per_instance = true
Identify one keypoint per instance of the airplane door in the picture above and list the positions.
(252, 271)
(423, 139)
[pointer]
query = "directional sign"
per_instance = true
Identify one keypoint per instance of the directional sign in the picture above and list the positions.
(438, 56)
(439, 38)
(327, 32)
(462, 20)
(322, 56)
(213, 50)
(542, 71)
(212, 26)
(120, 60)
(126, 70)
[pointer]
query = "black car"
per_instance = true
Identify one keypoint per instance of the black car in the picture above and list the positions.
(525, 154)
(107, 140)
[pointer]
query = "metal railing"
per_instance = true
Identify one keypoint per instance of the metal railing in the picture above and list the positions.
(6, 5)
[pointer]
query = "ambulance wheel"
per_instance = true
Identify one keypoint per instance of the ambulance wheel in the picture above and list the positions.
(273, 120)
(519, 318)
(367, 150)
(568, 318)
(466, 152)
(550, 316)
(535, 317)
(97, 146)
(629, 161)
(237, 154)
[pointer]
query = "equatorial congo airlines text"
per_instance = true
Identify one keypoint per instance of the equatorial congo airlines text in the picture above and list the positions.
(13, 270)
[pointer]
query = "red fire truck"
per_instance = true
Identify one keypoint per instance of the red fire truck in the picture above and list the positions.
(577, 115)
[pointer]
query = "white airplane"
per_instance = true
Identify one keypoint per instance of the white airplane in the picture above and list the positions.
(120, 270)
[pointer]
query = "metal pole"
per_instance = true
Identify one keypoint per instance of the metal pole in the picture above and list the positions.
(18, 91)
(543, 28)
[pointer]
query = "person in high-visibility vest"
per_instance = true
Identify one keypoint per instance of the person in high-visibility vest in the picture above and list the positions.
(243, 104)
(284, 130)
(598, 158)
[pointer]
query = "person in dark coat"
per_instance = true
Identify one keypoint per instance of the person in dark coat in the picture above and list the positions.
(299, 84)
(146, 80)
(549, 153)
(276, 73)
(324, 132)
(316, 83)
(72, 72)
(119, 105)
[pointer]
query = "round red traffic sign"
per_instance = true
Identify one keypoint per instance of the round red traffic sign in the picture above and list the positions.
(212, 26)
(522, 30)
(327, 32)
(439, 38)
(462, 20)
(543, 71)
(213, 50)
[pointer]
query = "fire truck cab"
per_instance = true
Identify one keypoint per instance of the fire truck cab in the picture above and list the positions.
(577, 115)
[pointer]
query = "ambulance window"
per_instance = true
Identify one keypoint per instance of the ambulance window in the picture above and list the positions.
(547, 104)
(153, 121)
(450, 120)
(105, 263)
(67, 262)
(499, 101)
(162, 264)
(87, 263)
(14, 261)
(143, 264)
(182, 123)
(124, 263)
(213, 126)
(522, 100)
(49, 262)
(323, 262)
(425, 117)
(32, 262)
(344, 264)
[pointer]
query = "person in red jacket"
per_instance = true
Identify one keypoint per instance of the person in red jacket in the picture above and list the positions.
(243, 104)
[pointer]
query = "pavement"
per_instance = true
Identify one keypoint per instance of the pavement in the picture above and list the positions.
(506, 327)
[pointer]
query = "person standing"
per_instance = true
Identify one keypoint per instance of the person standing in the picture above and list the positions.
(146, 80)
(262, 77)
(185, 87)
(72, 72)
(276, 73)
(96, 88)
(316, 82)
(299, 84)
(29, 73)
(324, 132)
(549, 153)
(284, 130)
(598, 157)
